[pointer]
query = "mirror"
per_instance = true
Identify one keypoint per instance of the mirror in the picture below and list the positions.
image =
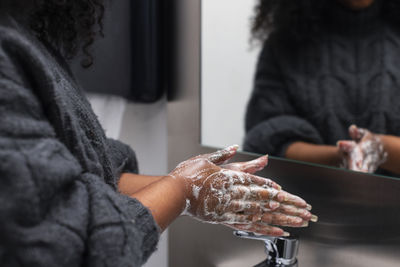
(316, 81)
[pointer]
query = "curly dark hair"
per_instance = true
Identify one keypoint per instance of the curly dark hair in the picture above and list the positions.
(69, 25)
(302, 18)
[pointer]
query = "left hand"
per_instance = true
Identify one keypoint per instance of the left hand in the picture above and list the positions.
(365, 153)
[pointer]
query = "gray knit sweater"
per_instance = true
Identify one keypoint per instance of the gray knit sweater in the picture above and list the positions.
(312, 91)
(58, 172)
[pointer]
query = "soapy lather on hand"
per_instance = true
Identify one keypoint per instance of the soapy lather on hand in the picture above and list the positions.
(364, 153)
(232, 195)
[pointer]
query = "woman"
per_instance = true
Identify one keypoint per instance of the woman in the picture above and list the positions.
(326, 65)
(68, 195)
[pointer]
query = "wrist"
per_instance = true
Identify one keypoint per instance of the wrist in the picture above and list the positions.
(382, 147)
(382, 139)
(181, 185)
(337, 156)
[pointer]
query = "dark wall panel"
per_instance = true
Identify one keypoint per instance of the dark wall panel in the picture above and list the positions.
(112, 67)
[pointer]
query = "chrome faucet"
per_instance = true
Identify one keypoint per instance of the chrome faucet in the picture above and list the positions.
(281, 251)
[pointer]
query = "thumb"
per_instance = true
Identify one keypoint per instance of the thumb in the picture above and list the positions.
(248, 166)
(353, 132)
(357, 133)
(223, 155)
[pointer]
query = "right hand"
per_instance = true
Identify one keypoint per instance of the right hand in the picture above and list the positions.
(240, 200)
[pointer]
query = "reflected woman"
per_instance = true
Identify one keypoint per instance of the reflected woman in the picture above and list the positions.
(326, 66)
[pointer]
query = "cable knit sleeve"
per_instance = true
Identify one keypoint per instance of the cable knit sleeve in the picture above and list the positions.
(123, 157)
(271, 120)
(52, 212)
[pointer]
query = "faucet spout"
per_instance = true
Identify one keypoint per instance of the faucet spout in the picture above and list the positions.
(281, 251)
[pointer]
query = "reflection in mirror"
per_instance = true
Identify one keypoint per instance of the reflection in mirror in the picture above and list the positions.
(309, 80)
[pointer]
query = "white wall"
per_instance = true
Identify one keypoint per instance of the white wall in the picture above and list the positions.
(228, 65)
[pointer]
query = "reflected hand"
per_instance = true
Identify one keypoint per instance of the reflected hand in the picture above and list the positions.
(365, 153)
(240, 200)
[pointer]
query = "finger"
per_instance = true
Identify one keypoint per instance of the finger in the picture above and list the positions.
(234, 218)
(281, 219)
(295, 211)
(249, 166)
(245, 207)
(356, 159)
(223, 155)
(353, 165)
(270, 205)
(289, 199)
(346, 146)
(256, 193)
(265, 182)
(260, 229)
(248, 179)
(252, 208)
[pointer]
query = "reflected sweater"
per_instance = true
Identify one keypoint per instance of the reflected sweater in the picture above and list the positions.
(312, 91)
(59, 204)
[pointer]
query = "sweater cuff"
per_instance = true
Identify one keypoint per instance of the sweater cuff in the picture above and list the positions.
(123, 159)
(275, 135)
(144, 221)
(120, 226)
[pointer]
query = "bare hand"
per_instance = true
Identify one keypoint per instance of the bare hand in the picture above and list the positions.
(365, 153)
(240, 200)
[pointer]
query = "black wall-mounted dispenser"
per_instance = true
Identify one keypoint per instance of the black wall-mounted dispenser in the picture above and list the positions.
(152, 35)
